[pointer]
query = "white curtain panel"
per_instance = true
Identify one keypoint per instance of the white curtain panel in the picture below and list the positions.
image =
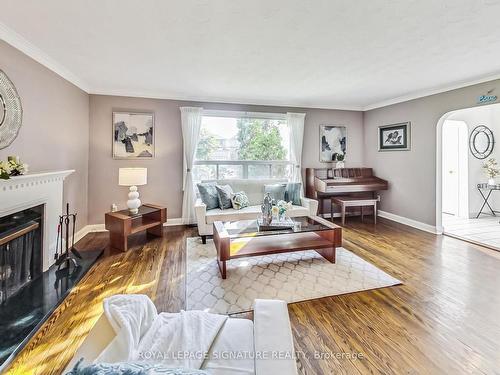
(191, 124)
(296, 125)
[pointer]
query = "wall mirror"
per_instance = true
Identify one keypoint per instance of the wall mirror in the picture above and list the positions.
(11, 111)
(481, 142)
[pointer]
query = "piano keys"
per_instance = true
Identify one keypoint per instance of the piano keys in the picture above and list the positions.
(324, 183)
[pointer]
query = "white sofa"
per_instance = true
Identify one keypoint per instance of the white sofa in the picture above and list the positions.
(266, 343)
(255, 192)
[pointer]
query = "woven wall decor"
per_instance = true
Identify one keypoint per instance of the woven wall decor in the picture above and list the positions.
(11, 111)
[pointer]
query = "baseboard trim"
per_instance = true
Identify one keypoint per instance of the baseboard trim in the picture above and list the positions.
(101, 228)
(172, 222)
(410, 222)
(88, 229)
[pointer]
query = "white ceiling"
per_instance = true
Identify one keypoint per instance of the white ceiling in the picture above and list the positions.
(326, 54)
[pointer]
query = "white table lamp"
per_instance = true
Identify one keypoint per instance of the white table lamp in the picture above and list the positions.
(133, 177)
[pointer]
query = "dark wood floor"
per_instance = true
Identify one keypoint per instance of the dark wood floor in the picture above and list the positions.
(445, 318)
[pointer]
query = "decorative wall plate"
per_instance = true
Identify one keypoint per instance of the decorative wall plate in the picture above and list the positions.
(11, 111)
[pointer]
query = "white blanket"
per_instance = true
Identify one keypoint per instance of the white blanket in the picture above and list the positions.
(176, 340)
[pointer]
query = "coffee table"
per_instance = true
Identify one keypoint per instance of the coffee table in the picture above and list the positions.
(237, 239)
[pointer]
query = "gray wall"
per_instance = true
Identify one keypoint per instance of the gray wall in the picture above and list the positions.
(412, 174)
(55, 135)
(55, 130)
(165, 170)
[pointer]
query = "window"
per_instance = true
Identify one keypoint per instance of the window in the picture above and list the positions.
(242, 145)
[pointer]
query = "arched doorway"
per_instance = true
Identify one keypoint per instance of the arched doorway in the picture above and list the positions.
(458, 173)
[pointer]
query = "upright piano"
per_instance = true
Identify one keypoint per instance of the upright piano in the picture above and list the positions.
(324, 183)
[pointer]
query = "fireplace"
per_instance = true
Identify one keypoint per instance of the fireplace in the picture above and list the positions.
(31, 285)
(23, 192)
(20, 249)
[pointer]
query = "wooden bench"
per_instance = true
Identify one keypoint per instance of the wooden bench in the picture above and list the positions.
(361, 202)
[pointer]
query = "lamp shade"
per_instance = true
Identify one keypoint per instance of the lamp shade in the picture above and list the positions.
(132, 176)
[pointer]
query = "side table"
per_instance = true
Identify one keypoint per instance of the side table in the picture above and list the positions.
(489, 188)
(122, 224)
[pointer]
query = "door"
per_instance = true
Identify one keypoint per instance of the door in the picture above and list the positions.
(451, 164)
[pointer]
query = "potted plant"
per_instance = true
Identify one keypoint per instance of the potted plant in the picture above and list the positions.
(339, 158)
(491, 169)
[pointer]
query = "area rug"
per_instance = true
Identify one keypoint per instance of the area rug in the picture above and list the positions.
(291, 277)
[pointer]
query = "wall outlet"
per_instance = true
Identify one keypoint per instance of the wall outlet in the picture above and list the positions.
(114, 207)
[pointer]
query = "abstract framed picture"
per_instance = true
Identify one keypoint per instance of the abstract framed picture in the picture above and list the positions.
(394, 137)
(133, 135)
(332, 143)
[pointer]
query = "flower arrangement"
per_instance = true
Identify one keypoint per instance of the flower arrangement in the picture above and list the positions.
(12, 167)
(491, 168)
(281, 208)
(4, 170)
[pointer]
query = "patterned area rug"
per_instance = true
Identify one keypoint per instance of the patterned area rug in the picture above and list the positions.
(292, 277)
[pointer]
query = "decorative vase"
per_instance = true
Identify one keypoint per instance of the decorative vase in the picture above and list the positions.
(266, 208)
(491, 181)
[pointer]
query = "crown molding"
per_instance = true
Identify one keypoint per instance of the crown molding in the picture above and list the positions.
(201, 99)
(429, 92)
(17, 41)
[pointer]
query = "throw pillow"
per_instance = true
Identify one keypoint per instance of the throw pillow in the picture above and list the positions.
(132, 368)
(239, 200)
(292, 193)
(224, 192)
(208, 195)
(277, 191)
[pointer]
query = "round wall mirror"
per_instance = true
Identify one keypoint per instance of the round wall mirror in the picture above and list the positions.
(481, 142)
(11, 111)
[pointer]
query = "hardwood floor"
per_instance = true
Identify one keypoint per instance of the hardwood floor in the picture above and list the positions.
(443, 319)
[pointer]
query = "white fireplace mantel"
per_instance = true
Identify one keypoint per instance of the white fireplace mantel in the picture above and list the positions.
(33, 189)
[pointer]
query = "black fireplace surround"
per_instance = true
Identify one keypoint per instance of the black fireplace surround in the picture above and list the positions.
(28, 295)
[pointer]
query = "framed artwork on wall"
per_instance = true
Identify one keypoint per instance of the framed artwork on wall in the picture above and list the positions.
(332, 143)
(394, 137)
(133, 135)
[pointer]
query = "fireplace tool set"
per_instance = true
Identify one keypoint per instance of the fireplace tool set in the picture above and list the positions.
(65, 255)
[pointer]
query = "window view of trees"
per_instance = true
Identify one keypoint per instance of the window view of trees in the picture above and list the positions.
(260, 140)
(231, 140)
(207, 145)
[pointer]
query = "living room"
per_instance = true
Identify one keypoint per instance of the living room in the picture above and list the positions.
(247, 188)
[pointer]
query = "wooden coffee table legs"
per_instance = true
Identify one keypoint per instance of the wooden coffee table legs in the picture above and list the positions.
(222, 268)
(328, 254)
(333, 236)
(223, 246)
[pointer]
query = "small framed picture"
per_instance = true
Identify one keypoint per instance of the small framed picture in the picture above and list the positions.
(394, 137)
(133, 135)
(332, 143)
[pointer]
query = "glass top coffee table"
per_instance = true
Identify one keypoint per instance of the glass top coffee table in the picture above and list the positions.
(237, 239)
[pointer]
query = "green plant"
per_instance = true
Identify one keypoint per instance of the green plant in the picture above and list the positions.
(339, 157)
(259, 139)
(206, 146)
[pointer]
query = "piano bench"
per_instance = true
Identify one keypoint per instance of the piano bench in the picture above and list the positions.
(344, 202)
